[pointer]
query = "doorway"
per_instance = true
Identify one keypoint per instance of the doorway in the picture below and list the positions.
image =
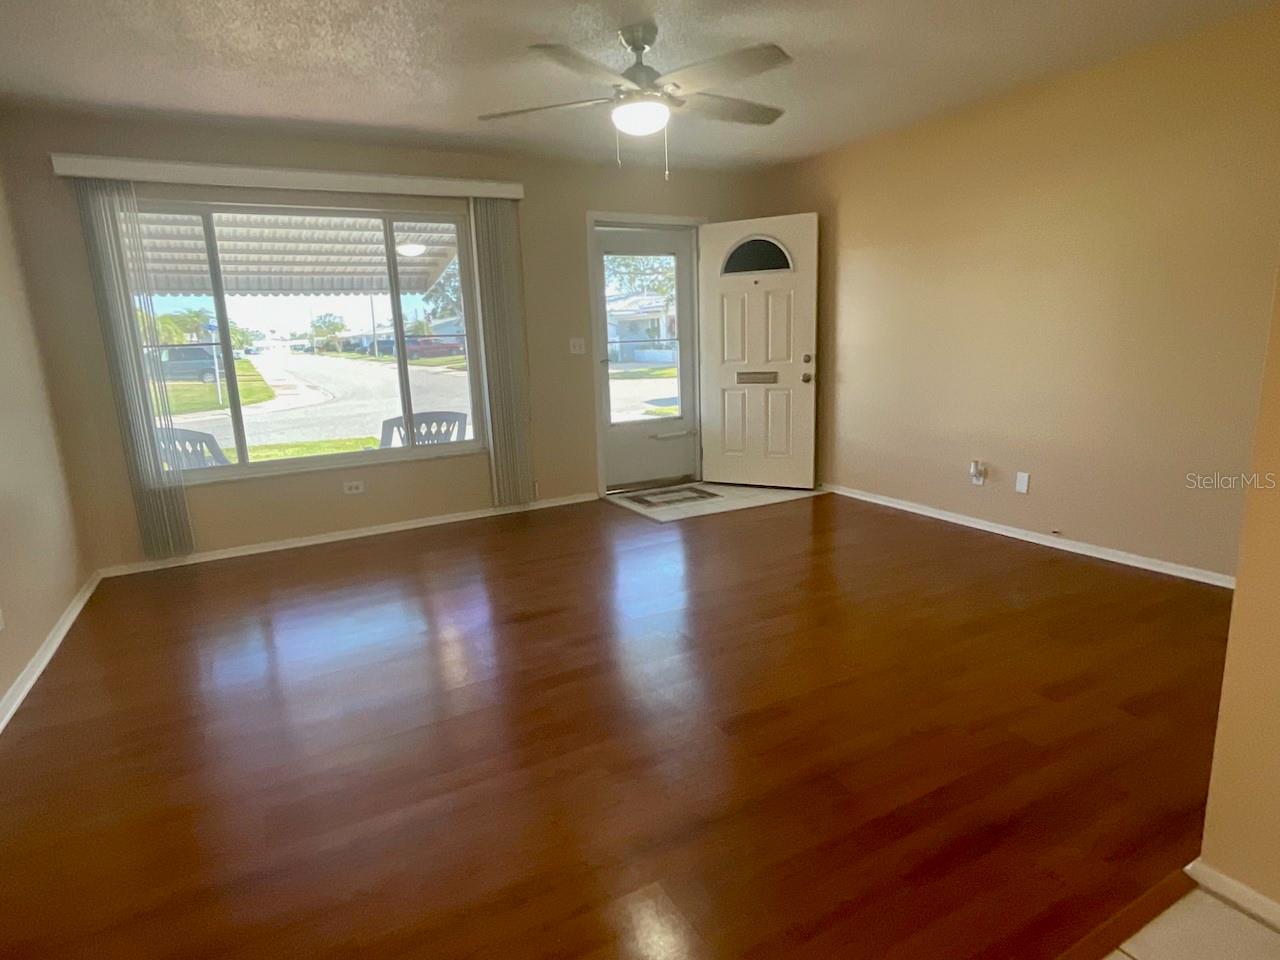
(645, 292)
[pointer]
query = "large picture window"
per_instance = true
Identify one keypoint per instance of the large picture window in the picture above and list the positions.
(289, 335)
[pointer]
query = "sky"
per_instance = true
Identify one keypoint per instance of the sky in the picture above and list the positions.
(293, 314)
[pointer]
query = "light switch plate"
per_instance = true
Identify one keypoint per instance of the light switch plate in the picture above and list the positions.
(1022, 482)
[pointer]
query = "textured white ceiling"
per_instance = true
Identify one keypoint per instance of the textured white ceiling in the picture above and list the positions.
(428, 67)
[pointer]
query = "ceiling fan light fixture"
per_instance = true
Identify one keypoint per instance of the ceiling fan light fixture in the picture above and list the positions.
(641, 116)
(409, 249)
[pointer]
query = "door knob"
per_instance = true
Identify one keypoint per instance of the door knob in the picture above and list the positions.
(806, 377)
(807, 358)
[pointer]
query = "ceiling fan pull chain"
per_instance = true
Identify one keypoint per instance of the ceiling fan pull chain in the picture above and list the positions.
(617, 144)
(666, 155)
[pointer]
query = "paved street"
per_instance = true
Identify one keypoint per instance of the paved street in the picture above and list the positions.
(328, 398)
(347, 398)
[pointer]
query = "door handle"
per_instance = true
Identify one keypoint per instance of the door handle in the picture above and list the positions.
(673, 435)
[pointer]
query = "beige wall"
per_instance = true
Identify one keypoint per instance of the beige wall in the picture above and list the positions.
(554, 237)
(40, 569)
(1242, 827)
(1073, 280)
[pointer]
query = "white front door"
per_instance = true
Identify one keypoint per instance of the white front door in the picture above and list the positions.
(757, 306)
(645, 290)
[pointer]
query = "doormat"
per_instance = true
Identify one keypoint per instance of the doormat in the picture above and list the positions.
(670, 496)
(690, 500)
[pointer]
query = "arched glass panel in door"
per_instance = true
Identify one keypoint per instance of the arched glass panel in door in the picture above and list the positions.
(756, 254)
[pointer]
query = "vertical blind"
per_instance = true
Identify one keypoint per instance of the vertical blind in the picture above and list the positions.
(109, 214)
(498, 278)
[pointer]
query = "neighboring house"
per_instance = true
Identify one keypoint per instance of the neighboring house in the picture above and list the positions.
(638, 325)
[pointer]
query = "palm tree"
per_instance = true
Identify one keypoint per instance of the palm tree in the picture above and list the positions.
(183, 326)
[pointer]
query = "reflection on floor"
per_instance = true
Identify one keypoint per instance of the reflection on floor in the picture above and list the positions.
(699, 499)
(825, 729)
(1201, 927)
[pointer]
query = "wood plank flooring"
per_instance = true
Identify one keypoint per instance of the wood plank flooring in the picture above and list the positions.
(815, 729)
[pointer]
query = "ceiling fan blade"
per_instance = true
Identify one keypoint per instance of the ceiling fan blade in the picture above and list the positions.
(732, 109)
(727, 68)
(550, 106)
(581, 64)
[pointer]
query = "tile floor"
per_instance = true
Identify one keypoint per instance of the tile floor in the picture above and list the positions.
(728, 498)
(1201, 927)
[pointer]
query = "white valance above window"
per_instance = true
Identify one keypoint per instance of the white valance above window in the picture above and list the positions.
(286, 178)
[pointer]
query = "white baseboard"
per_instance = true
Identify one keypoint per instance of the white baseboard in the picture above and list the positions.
(11, 699)
(1241, 896)
(356, 533)
(1043, 539)
(18, 690)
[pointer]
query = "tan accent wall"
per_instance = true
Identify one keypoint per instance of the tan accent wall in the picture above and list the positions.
(40, 568)
(1073, 280)
(554, 235)
(1242, 826)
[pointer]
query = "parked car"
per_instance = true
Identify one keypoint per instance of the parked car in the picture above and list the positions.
(251, 350)
(189, 363)
(421, 347)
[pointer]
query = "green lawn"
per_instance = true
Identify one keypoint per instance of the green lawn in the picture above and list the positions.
(457, 362)
(644, 373)
(351, 355)
(309, 448)
(198, 397)
(662, 412)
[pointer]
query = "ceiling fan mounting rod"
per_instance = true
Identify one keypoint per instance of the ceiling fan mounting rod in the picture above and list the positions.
(639, 38)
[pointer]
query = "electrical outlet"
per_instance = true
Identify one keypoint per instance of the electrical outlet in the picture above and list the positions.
(578, 345)
(352, 486)
(1022, 483)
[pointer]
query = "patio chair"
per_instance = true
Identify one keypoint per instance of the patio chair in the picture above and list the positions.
(430, 426)
(189, 449)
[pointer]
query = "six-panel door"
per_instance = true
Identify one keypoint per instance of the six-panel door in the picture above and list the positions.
(757, 306)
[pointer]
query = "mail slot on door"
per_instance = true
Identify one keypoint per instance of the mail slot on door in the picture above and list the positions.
(758, 376)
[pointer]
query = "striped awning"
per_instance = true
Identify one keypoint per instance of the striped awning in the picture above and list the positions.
(281, 254)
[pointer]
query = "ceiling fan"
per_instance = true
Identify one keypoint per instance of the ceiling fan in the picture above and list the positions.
(643, 99)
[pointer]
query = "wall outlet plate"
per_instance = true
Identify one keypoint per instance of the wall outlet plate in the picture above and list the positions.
(352, 486)
(578, 345)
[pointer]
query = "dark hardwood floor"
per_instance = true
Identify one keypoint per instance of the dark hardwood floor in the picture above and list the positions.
(816, 729)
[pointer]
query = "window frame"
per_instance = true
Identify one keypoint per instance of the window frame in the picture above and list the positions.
(389, 216)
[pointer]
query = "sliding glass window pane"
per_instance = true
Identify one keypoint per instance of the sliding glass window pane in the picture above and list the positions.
(184, 349)
(435, 331)
(310, 298)
(644, 354)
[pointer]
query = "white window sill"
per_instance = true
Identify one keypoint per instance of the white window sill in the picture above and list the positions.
(331, 461)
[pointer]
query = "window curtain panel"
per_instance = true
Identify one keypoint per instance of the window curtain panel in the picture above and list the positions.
(109, 214)
(501, 293)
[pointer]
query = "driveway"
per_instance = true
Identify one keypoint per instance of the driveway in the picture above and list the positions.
(349, 398)
(629, 399)
(334, 398)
